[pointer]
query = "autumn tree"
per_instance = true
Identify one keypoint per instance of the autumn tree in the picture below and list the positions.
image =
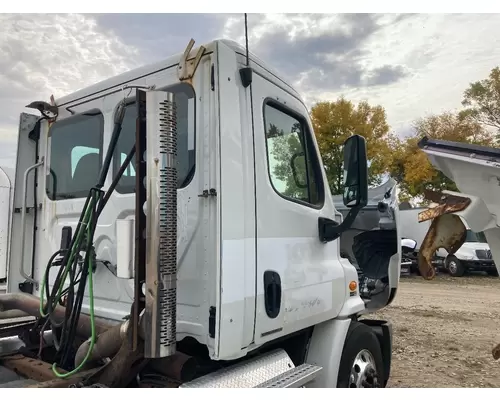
(482, 101)
(335, 121)
(411, 167)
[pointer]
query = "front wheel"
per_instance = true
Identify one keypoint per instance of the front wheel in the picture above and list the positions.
(454, 266)
(361, 364)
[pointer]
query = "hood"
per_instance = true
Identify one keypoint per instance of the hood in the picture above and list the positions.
(475, 246)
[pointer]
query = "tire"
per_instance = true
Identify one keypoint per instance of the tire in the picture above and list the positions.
(454, 266)
(361, 353)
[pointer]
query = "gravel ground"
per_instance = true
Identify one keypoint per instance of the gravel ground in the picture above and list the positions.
(444, 332)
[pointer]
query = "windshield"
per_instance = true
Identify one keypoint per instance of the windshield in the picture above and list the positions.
(473, 237)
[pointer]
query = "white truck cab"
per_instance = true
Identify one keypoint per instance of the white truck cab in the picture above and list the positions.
(265, 260)
(473, 255)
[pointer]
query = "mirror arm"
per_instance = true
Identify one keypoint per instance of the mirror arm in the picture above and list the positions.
(330, 230)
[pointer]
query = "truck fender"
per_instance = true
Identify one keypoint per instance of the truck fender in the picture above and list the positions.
(327, 343)
(325, 350)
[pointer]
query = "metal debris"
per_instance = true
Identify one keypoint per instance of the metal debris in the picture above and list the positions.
(447, 230)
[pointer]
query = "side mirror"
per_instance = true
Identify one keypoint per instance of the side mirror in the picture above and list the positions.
(355, 193)
(355, 172)
(408, 245)
(298, 166)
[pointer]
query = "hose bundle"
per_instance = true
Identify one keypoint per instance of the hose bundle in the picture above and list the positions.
(78, 268)
(78, 271)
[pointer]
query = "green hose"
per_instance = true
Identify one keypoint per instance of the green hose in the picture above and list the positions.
(86, 222)
(92, 328)
(68, 264)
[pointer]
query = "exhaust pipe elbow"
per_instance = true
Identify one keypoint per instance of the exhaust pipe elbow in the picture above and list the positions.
(107, 343)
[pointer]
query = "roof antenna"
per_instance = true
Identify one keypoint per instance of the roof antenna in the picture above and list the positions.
(246, 73)
(246, 38)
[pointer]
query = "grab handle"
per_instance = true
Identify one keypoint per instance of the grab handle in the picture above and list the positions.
(23, 220)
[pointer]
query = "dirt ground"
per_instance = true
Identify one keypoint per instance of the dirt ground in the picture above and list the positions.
(444, 332)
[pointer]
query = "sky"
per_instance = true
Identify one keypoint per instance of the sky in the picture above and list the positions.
(412, 64)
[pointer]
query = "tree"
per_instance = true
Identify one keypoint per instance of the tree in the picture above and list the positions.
(411, 167)
(482, 101)
(284, 149)
(334, 122)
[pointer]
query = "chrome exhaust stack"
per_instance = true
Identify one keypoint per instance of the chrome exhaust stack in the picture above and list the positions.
(161, 225)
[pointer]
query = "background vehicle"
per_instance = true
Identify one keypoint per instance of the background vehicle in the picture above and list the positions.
(409, 259)
(473, 255)
(6, 192)
(476, 172)
(189, 198)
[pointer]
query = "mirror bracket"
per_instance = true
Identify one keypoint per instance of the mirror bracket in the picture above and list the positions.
(330, 230)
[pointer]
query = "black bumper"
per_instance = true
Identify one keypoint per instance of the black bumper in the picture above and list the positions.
(479, 265)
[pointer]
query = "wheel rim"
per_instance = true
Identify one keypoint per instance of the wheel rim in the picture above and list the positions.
(363, 371)
(452, 267)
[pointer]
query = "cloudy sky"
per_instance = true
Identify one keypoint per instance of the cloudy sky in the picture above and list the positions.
(412, 64)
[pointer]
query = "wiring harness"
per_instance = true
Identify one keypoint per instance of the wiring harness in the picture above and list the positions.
(78, 265)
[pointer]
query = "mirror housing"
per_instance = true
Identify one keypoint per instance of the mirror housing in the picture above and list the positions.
(355, 191)
(298, 159)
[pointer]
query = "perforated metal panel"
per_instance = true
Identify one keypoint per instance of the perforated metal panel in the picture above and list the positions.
(161, 222)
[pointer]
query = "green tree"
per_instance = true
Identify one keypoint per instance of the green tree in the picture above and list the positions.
(482, 101)
(286, 149)
(411, 167)
(335, 121)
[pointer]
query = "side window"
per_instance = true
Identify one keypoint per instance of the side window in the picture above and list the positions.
(184, 96)
(75, 155)
(292, 162)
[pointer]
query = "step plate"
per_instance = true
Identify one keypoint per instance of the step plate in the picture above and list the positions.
(294, 378)
(248, 374)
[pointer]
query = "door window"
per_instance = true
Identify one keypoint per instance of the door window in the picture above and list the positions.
(292, 160)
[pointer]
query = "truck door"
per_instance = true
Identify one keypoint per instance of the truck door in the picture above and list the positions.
(300, 280)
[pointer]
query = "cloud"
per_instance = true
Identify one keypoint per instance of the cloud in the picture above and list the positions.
(438, 55)
(385, 75)
(48, 54)
(160, 35)
(319, 51)
(412, 64)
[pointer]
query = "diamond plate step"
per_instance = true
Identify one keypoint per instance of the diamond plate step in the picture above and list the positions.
(246, 374)
(293, 378)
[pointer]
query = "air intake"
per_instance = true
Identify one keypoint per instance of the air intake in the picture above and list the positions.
(161, 225)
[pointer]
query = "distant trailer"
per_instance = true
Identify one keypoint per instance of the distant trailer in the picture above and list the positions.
(6, 192)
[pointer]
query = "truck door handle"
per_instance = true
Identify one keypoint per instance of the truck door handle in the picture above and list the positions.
(272, 293)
